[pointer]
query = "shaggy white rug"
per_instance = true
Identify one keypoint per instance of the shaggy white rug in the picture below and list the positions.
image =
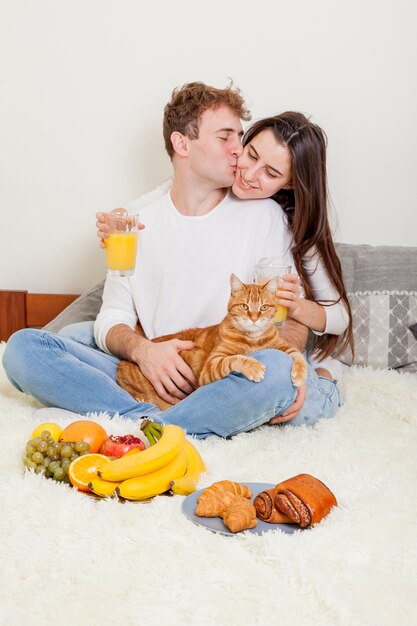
(67, 558)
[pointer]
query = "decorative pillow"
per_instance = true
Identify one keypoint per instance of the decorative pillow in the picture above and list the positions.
(83, 309)
(381, 321)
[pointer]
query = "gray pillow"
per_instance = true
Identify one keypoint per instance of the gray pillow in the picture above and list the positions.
(83, 309)
(381, 282)
(381, 321)
(378, 268)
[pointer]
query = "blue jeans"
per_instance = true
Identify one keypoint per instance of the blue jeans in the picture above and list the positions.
(75, 375)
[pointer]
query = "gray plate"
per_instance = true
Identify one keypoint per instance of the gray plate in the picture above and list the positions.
(216, 525)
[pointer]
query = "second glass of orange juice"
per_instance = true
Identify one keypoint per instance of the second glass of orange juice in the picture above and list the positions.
(268, 268)
(121, 244)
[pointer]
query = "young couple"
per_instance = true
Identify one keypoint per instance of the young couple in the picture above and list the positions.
(230, 203)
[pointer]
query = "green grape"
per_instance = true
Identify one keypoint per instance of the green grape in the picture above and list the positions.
(59, 473)
(50, 450)
(41, 447)
(57, 446)
(45, 434)
(37, 457)
(35, 441)
(46, 461)
(40, 469)
(26, 461)
(30, 448)
(66, 452)
(31, 465)
(73, 457)
(65, 463)
(53, 466)
(81, 446)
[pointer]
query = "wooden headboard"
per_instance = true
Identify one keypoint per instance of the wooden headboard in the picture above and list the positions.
(20, 309)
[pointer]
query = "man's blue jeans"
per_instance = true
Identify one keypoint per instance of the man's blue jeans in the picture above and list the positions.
(75, 375)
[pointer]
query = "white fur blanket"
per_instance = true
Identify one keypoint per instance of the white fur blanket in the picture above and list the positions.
(67, 558)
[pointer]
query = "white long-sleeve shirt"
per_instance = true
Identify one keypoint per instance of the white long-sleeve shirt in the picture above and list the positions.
(183, 266)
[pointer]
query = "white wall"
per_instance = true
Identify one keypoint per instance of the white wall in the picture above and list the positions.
(83, 84)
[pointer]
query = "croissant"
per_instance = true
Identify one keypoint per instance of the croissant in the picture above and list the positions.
(212, 502)
(266, 509)
(235, 488)
(305, 499)
(240, 515)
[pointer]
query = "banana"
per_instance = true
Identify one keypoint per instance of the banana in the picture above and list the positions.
(152, 439)
(149, 485)
(150, 460)
(153, 431)
(104, 488)
(187, 484)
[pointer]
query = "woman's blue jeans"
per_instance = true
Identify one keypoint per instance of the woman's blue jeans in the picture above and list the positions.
(69, 371)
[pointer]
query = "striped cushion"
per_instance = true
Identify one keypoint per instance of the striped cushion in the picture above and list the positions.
(381, 321)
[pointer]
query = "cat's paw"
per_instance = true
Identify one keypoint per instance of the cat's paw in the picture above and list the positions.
(253, 370)
(299, 373)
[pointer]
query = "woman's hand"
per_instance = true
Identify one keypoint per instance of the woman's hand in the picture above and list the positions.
(288, 292)
(102, 226)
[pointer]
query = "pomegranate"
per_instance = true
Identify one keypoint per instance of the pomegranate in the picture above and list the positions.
(117, 446)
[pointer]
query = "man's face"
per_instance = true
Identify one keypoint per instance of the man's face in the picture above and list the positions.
(213, 156)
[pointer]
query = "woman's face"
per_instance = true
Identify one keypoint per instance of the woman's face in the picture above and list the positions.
(263, 168)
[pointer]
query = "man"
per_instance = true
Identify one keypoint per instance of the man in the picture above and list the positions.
(196, 235)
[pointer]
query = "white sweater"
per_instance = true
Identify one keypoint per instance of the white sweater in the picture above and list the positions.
(183, 267)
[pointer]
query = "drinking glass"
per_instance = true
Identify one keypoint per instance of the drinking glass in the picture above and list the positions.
(121, 244)
(268, 268)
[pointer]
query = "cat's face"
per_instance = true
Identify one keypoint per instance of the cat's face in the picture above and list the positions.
(252, 307)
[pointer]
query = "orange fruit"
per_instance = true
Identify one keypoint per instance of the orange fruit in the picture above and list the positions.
(84, 469)
(85, 430)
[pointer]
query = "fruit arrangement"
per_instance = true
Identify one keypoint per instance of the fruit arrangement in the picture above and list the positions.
(84, 456)
(171, 462)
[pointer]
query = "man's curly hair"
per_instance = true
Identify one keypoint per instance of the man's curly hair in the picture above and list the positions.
(188, 103)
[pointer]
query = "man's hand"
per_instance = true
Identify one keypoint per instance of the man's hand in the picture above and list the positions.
(103, 228)
(294, 333)
(160, 362)
(293, 410)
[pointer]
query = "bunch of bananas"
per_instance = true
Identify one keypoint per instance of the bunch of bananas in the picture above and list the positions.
(172, 462)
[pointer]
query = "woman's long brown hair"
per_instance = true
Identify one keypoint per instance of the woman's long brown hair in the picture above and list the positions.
(306, 205)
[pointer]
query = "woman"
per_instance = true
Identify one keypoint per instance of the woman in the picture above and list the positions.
(284, 158)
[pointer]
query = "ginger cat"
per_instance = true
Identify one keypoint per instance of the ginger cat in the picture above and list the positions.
(220, 349)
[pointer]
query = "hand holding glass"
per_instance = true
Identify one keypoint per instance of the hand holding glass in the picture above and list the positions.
(268, 268)
(121, 244)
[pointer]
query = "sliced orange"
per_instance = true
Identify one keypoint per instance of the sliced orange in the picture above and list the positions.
(84, 469)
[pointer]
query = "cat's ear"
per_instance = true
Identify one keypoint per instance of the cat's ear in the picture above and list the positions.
(235, 284)
(272, 285)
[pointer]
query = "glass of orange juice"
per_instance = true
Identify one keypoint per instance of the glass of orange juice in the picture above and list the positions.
(268, 268)
(121, 244)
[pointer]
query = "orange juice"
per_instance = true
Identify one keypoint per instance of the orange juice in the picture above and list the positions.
(280, 313)
(267, 268)
(121, 250)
